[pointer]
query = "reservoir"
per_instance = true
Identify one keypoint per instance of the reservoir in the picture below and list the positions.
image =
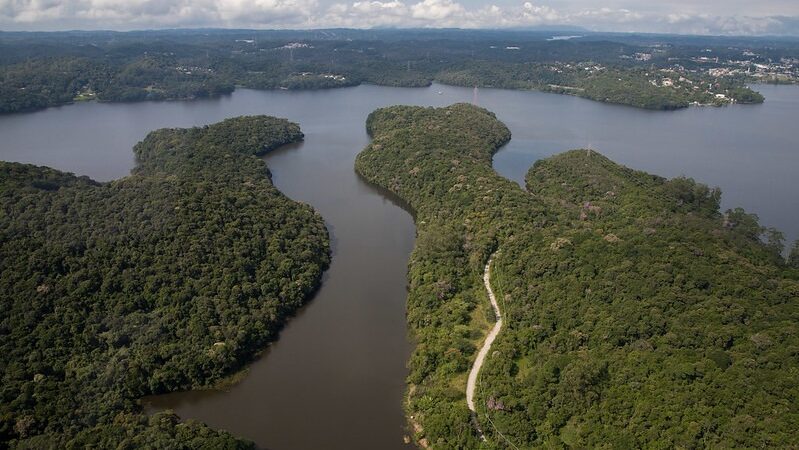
(336, 376)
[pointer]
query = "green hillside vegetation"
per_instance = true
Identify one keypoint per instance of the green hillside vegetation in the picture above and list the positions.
(42, 82)
(622, 85)
(41, 70)
(636, 314)
(46, 82)
(168, 279)
(645, 318)
(439, 161)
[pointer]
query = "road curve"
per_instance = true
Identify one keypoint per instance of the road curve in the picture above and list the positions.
(471, 382)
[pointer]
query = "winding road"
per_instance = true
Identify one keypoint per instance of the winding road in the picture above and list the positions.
(471, 383)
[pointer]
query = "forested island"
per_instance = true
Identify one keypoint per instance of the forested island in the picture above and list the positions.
(636, 314)
(38, 70)
(169, 279)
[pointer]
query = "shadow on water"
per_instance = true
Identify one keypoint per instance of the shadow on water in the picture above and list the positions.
(388, 195)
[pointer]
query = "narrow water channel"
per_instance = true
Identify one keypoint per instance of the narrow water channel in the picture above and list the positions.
(335, 378)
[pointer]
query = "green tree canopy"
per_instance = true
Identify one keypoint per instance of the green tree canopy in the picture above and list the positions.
(636, 314)
(168, 279)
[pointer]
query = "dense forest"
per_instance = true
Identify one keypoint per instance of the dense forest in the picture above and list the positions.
(439, 162)
(637, 314)
(42, 69)
(168, 279)
(639, 87)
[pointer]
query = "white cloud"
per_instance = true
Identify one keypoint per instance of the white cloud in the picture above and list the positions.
(542, 14)
(708, 24)
(127, 14)
(437, 10)
(373, 13)
(131, 13)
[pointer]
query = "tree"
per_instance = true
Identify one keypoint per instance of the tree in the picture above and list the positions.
(793, 257)
(744, 223)
(774, 240)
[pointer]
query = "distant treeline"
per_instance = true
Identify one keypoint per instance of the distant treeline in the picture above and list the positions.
(39, 70)
(168, 279)
(636, 313)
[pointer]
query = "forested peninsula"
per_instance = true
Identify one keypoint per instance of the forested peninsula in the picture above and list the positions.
(636, 313)
(168, 279)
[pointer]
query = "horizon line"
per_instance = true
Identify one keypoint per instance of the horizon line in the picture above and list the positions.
(544, 29)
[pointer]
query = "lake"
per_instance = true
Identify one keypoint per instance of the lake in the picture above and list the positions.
(335, 378)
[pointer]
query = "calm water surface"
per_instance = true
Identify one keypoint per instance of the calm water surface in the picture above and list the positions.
(335, 378)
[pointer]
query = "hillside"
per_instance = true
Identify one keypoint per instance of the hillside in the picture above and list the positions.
(168, 279)
(637, 314)
(38, 70)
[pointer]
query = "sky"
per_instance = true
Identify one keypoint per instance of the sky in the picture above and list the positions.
(719, 17)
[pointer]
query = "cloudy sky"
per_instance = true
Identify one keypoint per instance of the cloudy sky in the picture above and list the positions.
(743, 17)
